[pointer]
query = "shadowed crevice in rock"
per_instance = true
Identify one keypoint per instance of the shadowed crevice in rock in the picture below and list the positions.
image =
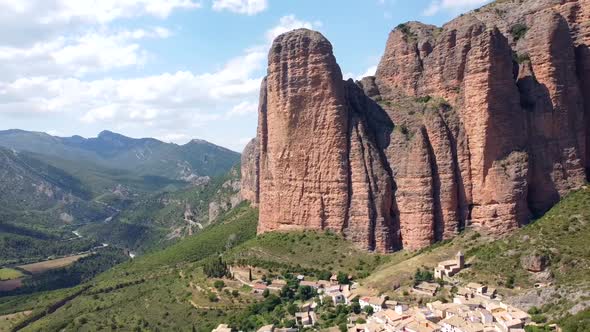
(438, 223)
(583, 71)
(550, 91)
(446, 191)
(370, 176)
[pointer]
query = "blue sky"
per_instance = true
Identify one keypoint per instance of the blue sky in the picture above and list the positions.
(173, 69)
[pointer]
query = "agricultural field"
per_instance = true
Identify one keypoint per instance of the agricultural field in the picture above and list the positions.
(9, 274)
(38, 268)
(8, 285)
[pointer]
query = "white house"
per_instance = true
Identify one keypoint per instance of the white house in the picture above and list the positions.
(377, 303)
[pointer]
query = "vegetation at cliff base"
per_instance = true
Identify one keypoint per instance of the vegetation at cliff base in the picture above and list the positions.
(291, 252)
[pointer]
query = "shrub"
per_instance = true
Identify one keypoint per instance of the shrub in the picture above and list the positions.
(404, 129)
(521, 58)
(534, 311)
(408, 33)
(343, 278)
(423, 99)
(215, 267)
(510, 282)
(539, 319)
(219, 284)
(342, 327)
(355, 307)
(425, 275)
(518, 31)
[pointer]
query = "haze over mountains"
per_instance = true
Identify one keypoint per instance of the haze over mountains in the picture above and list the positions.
(145, 156)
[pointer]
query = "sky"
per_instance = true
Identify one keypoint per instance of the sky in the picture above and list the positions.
(175, 70)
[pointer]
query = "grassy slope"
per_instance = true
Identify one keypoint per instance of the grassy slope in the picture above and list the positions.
(561, 234)
(151, 292)
(306, 250)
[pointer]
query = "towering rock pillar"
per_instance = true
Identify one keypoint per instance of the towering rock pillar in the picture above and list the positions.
(555, 111)
(304, 170)
(494, 123)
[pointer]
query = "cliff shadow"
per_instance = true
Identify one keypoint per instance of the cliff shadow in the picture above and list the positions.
(379, 128)
(583, 72)
(535, 101)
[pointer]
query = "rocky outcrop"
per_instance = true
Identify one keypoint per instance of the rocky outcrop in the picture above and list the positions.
(534, 262)
(227, 197)
(483, 122)
(250, 172)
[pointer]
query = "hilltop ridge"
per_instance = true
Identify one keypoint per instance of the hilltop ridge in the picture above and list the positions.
(190, 162)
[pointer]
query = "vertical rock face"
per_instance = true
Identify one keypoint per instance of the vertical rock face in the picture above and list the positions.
(415, 195)
(484, 122)
(304, 171)
(447, 215)
(494, 124)
(555, 111)
(371, 217)
(401, 66)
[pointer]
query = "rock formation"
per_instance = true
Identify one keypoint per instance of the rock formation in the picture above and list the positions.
(484, 122)
(250, 172)
(534, 262)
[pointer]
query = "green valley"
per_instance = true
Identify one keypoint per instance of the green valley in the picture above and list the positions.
(169, 290)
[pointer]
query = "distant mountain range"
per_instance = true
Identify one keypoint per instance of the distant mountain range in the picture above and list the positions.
(133, 192)
(145, 156)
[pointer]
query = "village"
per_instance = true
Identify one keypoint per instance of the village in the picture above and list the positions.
(474, 307)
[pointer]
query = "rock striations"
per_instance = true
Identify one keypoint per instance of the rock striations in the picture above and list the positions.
(484, 122)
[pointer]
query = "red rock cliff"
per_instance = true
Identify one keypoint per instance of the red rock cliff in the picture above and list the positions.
(483, 122)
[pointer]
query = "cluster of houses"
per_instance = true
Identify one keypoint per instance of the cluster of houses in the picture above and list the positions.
(474, 309)
(267, 328)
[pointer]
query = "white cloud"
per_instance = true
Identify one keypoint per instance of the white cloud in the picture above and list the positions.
(93, 11)
(243, 108)
(174, 137)
(288, 23)
(248, 7)
(37, 20)
(452, 6)
(78, 55)
(369, 72)
(51, 77)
